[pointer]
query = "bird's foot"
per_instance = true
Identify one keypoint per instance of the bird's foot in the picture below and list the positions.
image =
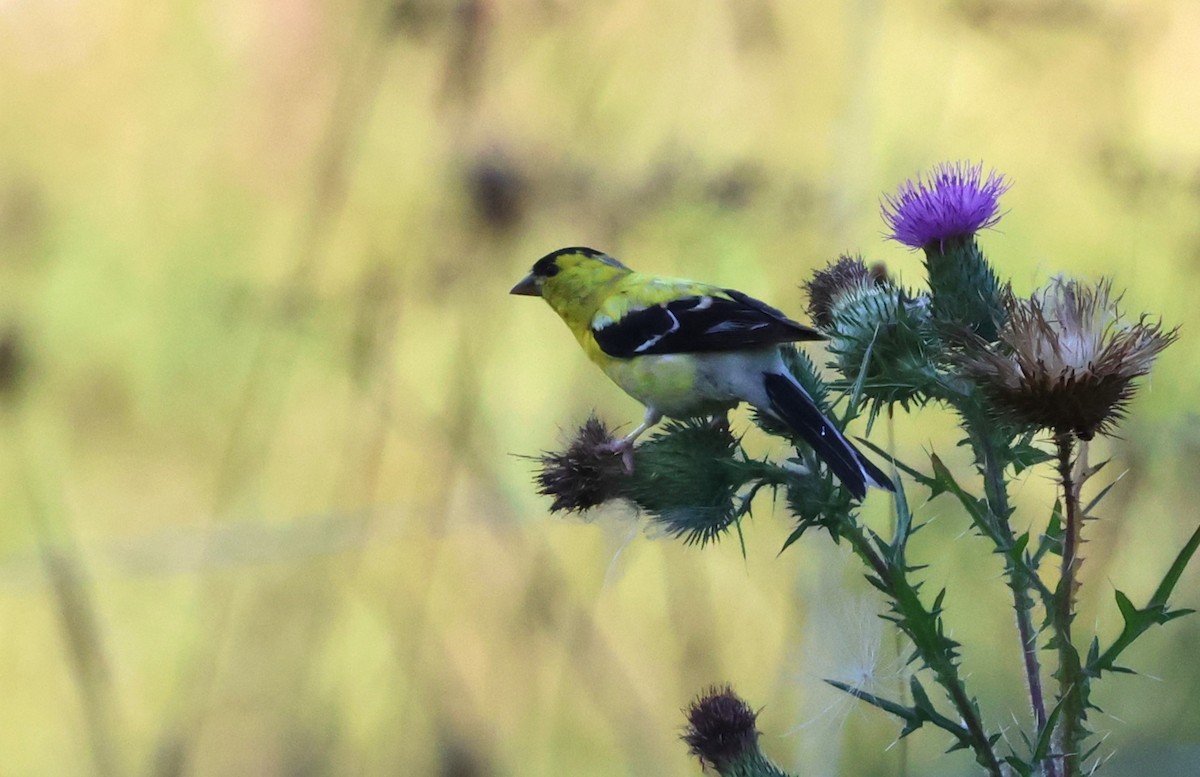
(625, 449)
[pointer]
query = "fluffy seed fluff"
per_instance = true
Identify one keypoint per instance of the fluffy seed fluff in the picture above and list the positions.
(954, 200)
(1066, 359)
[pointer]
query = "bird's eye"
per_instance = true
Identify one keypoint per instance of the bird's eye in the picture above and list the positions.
(546, 267)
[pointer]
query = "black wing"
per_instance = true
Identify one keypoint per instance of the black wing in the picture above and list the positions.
(700, 325)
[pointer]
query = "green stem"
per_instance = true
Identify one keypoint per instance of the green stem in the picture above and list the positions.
(902, 687)
(935, 651)
(752, 765)
(1019, 581)
(1070, 676)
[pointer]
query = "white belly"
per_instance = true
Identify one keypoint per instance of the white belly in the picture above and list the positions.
(690, 385)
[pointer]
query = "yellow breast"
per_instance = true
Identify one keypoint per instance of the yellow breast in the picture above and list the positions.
(674, 384)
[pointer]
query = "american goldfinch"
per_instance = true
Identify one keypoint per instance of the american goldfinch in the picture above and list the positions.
(685, 350)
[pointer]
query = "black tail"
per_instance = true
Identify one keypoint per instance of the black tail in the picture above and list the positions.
(792, 404)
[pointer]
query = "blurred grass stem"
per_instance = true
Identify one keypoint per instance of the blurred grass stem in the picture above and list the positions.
(76, 607)
(260, 405)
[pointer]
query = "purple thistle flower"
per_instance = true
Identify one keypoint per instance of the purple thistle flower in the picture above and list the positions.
(956, 200)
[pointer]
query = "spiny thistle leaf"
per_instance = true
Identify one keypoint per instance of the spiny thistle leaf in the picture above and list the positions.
(943, 482)
(912, 717)
(1052, 538)
(1041, 750)
(1138, 621)
(914, 473)
(1023, 454)
(817, 501)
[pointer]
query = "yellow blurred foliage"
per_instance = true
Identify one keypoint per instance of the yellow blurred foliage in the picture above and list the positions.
(265, 399)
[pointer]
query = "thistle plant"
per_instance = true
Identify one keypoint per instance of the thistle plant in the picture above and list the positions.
(722, 732)
(1030, 380)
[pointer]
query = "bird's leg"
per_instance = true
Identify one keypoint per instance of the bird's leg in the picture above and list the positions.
(624, 446)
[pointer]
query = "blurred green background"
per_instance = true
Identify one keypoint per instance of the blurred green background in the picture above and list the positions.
(265, 397)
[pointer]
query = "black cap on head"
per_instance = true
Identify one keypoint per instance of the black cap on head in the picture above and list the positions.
(547, 266)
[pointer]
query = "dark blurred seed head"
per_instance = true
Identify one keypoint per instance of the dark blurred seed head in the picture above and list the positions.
(1003, 17)
(498, 192)
(13, 362)
(848, 273)
(1067, 359)
(586, 474)
(471, 25)
(22, 220)
(721, 727)
(460, 759)
(756, 26)
(377, 304)
(416, 18)
(735, 187)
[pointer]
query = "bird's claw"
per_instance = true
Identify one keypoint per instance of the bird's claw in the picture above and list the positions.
(625, 449)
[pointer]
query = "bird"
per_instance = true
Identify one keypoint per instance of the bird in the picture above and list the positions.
(686, 349)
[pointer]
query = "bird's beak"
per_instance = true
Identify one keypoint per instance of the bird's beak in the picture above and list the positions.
(527, 287)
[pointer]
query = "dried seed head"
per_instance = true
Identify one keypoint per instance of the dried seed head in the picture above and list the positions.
(14, 362)
(586, 474)
(1067, 359)
(721, 727)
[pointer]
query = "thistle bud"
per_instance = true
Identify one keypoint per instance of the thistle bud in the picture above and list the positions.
(826, 287)
(881, 337)
(686, 477)
(14, 363)
(722, 733)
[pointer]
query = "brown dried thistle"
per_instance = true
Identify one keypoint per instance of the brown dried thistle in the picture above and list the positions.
(1066, 360)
